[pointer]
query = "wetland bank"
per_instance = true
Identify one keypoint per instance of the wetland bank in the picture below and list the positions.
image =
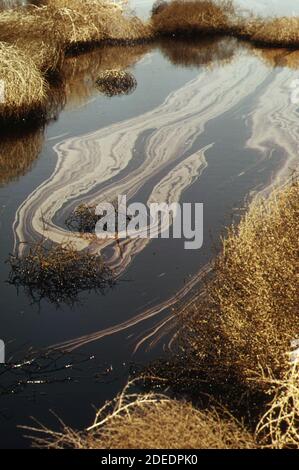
(187, 118)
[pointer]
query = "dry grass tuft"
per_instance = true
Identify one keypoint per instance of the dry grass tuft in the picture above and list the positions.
(94, 21)
(278, 31)
(42, 35)
(33, 31)
(58, 273)
(190, 16)
(150, 421)
(245, 323)
(279, 427)
(25, 88)
(116, 82)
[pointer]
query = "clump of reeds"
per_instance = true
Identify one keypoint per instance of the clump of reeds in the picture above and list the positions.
(24, 86)
(278, 31)
(244, 325)
(150, 421)
(193, 16)
(84, 218)
(42, 35)
(33, 31)
(116, 82)
(279, 427)
(58, 273)
(94, 21)
(18, 153)
(80, 72)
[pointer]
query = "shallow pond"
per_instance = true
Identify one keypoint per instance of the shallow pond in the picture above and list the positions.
(210, 121)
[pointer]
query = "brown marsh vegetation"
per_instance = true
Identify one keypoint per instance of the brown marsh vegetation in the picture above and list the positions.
(116, 82)
(25, 88)
(234, 341)
(192, 16)
(80, 72)
(238, 336)
(149, 421)
(36, 39)
(58, 273)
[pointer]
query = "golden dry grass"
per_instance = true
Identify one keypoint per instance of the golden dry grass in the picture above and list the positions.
(150, 421)
(279, 427)
(248, 317)
(94, 21)
(190, 16)
(25, 88)
(241, 332)
(33, 31)
(278, 31)
(154, 421)
(43, 34)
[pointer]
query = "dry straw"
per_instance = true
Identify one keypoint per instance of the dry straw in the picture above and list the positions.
(190, 16)
(24, 86)
(116, 82)
(279, 427)
(149, 421)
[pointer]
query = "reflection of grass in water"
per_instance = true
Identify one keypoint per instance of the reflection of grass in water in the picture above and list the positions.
(276, 57)
(80, 72)
(198, 52)
(59, 273)
(18, 153)
(116, 82)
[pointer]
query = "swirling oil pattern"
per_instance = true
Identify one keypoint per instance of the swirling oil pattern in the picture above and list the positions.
(96, 166)
(166, 150)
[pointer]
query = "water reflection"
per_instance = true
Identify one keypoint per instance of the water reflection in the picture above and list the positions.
(81, 72)
(18, 152)
(199, 52)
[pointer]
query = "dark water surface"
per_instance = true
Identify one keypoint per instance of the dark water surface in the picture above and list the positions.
(210, 121)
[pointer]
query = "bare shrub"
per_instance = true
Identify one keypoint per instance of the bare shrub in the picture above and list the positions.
(116, 82)
(149, 421)
(58, 273)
